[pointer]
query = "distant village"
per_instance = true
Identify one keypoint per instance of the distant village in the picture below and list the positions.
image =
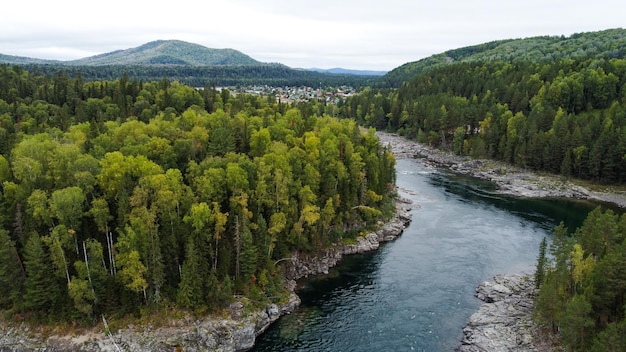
(289, 95)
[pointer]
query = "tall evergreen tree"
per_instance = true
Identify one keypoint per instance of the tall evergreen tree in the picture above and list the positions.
(190, 290)
(41, 289)
(11, 272)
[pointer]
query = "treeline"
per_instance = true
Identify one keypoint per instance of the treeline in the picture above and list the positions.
(582, 281)
(199, 76)
(120, 196)
(565, 117)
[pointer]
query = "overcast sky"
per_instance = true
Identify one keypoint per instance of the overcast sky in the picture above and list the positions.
(354, 34)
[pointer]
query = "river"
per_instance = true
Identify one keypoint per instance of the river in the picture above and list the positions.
(417, 293)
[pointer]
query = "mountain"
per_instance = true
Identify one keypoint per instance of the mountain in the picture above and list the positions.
(343, 71)
(189, 63)
(169, 52)
(156, 53)
(605, 44)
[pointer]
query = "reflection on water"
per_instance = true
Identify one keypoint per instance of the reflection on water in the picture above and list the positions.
(416, 293)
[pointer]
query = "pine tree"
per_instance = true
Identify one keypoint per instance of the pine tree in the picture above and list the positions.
(11, 275)
(576, 323)
(39, 284)
(190, 290)
(540, 270)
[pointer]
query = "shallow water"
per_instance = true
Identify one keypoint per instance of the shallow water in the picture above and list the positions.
(417, 293)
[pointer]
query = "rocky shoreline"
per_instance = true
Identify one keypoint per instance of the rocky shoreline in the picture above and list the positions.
(504, 321)
(302, 265)
(236, 332)
(509, 179)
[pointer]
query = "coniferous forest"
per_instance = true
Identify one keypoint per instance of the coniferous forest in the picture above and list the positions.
(582, 281)
(565, 117)
(120, 197)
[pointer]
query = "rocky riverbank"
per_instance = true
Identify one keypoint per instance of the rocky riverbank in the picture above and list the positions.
(235, 332)
(509, 179)
(302, 265)
(503, 322)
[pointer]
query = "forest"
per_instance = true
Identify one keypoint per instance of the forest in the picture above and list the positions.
(564, 117)
(582, 281)
(121, 197)
(606, 44)
(199, 76)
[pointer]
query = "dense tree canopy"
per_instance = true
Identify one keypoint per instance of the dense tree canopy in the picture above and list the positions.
(582, 284)
(565, 116)
(220, 75)
(118, 195)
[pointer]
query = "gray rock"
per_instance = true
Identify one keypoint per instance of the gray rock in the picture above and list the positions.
(301, 265)
(503, 322)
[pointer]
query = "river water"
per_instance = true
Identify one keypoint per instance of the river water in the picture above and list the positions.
(417, 293)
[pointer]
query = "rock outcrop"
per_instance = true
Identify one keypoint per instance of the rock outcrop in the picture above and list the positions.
(235, 333)
(301, 265)
(504, 321)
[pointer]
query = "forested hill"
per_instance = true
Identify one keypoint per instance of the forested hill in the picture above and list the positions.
(605, 44)
(156, 53)
(566, 116)
(169, 52)
(118, 197)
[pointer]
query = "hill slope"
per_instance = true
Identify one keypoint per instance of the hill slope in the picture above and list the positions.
(606, 44)
(23, 60)
(169, 52)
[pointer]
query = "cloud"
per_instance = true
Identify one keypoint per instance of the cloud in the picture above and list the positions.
(361, 34)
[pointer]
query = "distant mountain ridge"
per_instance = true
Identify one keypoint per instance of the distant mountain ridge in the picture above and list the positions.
(607, 44)
(155, 53)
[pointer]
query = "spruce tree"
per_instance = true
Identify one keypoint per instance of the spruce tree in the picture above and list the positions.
(540, 270)
(39, 284)
(11, 275)
(190, 293)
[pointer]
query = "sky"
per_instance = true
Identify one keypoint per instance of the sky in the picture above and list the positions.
(354, 34)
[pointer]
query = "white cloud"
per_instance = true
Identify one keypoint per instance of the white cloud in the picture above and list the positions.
(361, 34)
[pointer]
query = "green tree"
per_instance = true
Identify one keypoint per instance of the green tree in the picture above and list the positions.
(11, 272)
(67, 205)
(102, 216)
(191, 288)
(542, 261)
(41, 290)
(576, 323)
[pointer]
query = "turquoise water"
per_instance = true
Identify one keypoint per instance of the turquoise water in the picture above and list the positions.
(417, 293)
